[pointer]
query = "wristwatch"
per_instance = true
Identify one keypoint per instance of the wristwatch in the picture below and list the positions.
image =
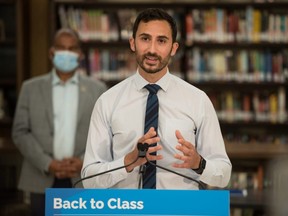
(201, 167)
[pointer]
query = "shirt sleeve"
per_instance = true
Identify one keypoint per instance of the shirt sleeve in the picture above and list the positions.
(98, 159)
(210, 145)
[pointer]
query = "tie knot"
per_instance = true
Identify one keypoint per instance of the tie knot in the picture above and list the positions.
(152, 88)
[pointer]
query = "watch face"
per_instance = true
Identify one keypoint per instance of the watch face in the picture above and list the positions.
(203, 163)
(202, 166)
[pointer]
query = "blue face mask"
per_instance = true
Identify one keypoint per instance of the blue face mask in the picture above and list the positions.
(66, 61)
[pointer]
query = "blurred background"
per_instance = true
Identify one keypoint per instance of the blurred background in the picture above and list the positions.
(236, 51)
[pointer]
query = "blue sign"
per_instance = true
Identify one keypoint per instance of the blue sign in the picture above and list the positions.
(129, 202)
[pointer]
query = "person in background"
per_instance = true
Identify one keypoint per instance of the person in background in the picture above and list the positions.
(186, 129)
(52, 121)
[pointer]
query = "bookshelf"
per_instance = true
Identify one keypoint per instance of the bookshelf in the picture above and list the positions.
(13, 44)
(13, 41)
(13, 64)
(236, 51)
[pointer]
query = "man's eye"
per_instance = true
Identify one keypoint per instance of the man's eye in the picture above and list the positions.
(145, 38)
(162, 41)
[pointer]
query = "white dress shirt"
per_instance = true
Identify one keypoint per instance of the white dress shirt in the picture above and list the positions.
(65, 106)
(117, 123)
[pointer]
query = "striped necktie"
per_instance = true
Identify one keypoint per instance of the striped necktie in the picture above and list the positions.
(151, 120)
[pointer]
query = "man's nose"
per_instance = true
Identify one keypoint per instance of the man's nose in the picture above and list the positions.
(153, 47)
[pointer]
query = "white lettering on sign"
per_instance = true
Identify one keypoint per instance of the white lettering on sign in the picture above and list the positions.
(96, 204)
(114, 203)
(66, 204)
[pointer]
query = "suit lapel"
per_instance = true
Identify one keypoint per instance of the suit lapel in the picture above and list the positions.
(47, 97)
(81, 99)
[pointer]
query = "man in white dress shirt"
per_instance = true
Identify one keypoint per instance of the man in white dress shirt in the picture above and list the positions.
(189, 139)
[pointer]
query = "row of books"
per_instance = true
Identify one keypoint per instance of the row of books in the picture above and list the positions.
(237, 65)
(260, 106)
(213, 24)
(249, 25)
(111, 61)
(91, 24)
(202, 65)
(248, 116)
(249, 137)
(115, 64)
(97, 24)
(244, 180)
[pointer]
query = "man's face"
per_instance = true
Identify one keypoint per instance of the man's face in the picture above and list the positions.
(65, 53)
(153, 46)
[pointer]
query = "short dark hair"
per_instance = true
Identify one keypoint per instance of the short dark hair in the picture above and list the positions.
(155, 14)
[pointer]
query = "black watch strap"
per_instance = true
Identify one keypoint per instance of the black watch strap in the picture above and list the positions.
(201, 167)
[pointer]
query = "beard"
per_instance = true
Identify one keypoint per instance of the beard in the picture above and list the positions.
(163, 62)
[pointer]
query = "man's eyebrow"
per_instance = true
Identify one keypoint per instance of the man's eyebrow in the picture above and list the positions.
(163, 37)
(145, 34)
(160, 36)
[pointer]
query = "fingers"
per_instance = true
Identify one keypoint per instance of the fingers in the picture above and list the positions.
(189, 157)
(182, 141)
(66, 168)
(61, 175)
(178, 135)
(186, 161)
(151, 150)
(153, 158)
(75, 164)
(150, 137)
(187, 149)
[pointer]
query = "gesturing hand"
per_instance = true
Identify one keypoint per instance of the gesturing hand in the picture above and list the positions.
(189, 157)
(149, 138)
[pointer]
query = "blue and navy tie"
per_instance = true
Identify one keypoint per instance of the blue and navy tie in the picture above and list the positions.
(151, 120)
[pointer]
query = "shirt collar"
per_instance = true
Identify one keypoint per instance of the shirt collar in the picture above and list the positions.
(163, 82)
(56, 80)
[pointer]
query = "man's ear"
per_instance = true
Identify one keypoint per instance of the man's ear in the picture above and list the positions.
(174, 48)
(132, 44)
(51, 53)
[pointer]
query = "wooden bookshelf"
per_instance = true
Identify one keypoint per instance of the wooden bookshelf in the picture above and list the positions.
(255, 150)
(13, 45)
(14, 69)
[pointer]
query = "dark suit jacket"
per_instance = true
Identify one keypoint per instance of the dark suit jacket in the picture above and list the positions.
(33, 128)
